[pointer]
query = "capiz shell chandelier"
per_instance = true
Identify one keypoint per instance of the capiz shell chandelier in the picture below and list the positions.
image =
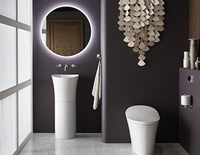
(142, 22)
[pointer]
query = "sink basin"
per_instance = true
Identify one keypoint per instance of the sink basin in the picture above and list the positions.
(65, 87)
(65, 105)
(65, 75)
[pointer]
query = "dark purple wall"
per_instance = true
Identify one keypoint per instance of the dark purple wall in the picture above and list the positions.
(156, 84)
(124, 82)
(44, 64)
(189, 117)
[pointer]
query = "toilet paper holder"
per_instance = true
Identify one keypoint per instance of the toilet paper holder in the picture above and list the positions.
(186, 101)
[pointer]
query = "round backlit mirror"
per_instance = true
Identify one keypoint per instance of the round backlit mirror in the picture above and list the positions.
(66, 31)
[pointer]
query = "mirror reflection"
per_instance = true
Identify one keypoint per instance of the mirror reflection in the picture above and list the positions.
(66, 31)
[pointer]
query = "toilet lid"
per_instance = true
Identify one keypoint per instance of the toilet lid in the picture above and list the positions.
(141, 114)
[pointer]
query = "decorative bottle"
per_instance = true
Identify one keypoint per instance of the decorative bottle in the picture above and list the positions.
(186, 60)
(197, 63)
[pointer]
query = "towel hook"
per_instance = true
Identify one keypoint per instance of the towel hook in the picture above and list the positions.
(98, 56)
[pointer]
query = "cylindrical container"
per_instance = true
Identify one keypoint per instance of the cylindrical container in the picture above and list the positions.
(197, 63)
(186, 63)
(186, 60)
(194, 52)
(186, 55)
(186, 100)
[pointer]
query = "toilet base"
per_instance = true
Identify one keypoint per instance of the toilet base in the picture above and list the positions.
(142, 138)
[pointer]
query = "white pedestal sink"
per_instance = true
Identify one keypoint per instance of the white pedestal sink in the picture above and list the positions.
(65, 105)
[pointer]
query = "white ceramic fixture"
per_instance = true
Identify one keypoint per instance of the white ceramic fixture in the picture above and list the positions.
(143, 122)
(65, 105)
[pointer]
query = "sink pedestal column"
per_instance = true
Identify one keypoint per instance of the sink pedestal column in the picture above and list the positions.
(65, 105)
(65, 120)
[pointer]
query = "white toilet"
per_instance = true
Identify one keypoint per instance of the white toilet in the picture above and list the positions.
(142, 122)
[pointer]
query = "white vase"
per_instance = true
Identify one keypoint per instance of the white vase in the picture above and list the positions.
(186, 60)
(194, 52)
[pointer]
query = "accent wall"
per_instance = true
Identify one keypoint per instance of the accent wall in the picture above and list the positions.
(156, 84)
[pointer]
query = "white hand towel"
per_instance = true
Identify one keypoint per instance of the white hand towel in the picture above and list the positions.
(96, 91)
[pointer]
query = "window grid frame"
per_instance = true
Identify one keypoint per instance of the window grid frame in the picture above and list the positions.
(19, 86)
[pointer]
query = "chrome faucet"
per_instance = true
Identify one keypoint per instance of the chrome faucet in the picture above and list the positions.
(59, 65)
(65, 67)
(73, 65)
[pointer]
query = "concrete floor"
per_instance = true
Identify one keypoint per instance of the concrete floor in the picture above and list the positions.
(89, 144)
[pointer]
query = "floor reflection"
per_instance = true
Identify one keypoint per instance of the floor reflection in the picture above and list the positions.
(89, 144)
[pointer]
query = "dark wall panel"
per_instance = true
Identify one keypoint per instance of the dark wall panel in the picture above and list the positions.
(189, 117)
(44, 64)
(156, 84)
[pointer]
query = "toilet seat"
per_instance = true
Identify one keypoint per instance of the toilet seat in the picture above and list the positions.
(142, 115)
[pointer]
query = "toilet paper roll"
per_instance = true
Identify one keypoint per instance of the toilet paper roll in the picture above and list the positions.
(186, 63)
(186, 100)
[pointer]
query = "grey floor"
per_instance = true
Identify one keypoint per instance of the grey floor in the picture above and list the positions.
(89, 144)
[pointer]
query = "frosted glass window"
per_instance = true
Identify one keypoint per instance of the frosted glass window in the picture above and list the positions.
(44, 25)
(8, 8)
(24, 11)
(7, 57)
(8, 125)
(44, 31)
(44, 36)
(24, 55)
(24, 113)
